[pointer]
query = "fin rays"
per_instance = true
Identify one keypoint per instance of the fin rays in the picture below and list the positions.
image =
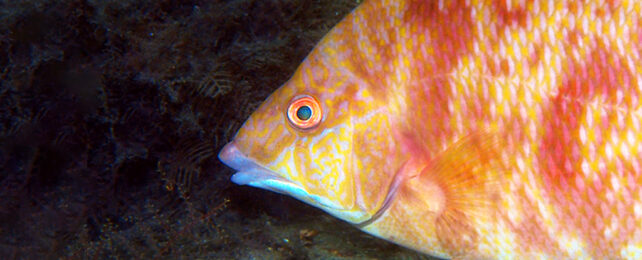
(466, 176)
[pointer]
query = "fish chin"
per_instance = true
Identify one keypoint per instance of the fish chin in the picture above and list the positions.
(264, 180)
(252, 174)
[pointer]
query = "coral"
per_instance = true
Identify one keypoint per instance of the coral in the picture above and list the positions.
(111, 115)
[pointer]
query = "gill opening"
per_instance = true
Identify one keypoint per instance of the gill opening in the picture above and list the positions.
(400, 177)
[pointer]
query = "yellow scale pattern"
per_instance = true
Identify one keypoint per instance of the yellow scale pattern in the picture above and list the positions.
(512, 127)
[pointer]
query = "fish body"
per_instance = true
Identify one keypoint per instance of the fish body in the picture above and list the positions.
(465, 129)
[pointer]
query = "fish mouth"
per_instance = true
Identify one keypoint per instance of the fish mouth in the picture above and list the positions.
(253, 174)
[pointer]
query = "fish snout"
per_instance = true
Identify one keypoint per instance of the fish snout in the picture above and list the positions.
(252, 173)
(248, 171)
(231, 156)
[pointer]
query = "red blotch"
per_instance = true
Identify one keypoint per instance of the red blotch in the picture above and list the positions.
(581, 201)
(513, 16)
(450, 32)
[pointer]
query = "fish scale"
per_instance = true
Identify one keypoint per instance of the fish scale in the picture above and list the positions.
(467, 129)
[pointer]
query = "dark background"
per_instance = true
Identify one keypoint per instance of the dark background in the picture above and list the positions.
(111, 116)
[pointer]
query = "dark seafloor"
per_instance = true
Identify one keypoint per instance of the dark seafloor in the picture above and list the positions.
(111, 116)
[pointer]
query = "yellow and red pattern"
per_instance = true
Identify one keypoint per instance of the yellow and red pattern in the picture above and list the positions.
(468, 129)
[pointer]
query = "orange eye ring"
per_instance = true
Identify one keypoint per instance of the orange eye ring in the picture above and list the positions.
(304, 112)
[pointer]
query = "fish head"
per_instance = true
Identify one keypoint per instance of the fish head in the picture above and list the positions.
(307, 140)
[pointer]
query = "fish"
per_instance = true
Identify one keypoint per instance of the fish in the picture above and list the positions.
(468, 129)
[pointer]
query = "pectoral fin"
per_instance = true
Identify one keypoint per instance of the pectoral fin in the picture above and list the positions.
(458, 188)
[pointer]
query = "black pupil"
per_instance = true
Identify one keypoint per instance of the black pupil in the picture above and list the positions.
(304, 113)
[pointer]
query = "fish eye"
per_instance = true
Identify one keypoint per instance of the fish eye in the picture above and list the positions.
(304, 112)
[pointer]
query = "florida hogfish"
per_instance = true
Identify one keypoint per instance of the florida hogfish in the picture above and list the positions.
(465, 129)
